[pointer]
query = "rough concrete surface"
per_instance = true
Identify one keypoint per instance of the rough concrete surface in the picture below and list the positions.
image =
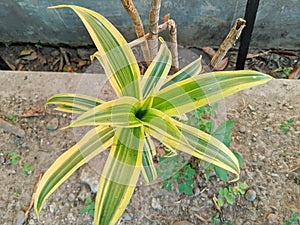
(271, 157)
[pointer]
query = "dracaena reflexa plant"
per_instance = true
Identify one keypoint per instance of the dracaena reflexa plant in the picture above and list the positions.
(145, 109)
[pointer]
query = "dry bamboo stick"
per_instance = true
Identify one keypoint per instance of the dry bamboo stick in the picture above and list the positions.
(229, 41)
(153, 27)
(138, 25)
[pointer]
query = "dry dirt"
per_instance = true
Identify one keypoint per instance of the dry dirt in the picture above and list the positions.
(271, 160)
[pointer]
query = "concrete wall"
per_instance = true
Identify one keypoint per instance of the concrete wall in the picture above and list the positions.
(200, 22)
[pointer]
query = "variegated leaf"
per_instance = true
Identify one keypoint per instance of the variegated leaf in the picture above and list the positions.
(73, 103)
(114, 52)
(94, 142)
(116, 113)
(196, 91)
(120, 175)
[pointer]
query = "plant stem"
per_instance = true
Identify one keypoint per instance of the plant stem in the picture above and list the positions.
(153, 27)
(138, 25)
(229, 41)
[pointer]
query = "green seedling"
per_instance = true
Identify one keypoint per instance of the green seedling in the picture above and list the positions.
(12, 118)
(26, 169)
(285, 126)
(38, 46)
(293, 220)
(17, 194)
(297, 179)
(89, 206)
(175, 169)
(285, 71)
(216, 220)
(230, 193)
(13, 157)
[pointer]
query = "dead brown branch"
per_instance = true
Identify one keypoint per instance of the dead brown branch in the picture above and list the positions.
(14, 129)
(153, 27)
(138, 25)
(32, 198)
(229, 41)
(173, 42)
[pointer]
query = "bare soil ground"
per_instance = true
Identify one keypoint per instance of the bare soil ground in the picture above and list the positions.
(271, 161)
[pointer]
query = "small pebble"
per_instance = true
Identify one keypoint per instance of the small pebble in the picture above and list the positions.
(52, 124)
(52, 208)
(127, 217)
(242, 129)
(155, 204)
(19, 218)
(2, 159)
(31, 222)
(272, 219)
(71, 197)
(251, 107)
(250, 195)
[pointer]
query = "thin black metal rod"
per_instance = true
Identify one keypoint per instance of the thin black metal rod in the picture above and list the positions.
(250, 16)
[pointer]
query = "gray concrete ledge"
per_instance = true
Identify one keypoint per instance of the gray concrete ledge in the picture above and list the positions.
(44, 84)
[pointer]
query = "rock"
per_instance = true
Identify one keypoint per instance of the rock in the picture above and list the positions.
(182, 223)
(52, 124)
(250, 195)
(2, 159)
(71, 197)
(31, 222)
(89, 177)
(84, 193)
(127, 217)
(155, 204)
(242, 129)
(19, 218)
(272, 219)
(52, 208)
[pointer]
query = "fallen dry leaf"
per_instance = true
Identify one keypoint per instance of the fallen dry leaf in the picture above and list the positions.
(166, 17)
(26, 52)
(209, 51)
(222, 65)
(33, 112)
(295, 73)
(41, 58)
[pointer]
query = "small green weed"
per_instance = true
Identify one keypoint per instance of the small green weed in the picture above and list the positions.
(285, 71)
(13, 157)
(26, 169)
(17, 194)
(293, 220)
(12, 118)
(216, 220)
(89, 206)
(201, 119)
(230, 193)
(38, 46)
(297, 179)
(175, 169)
(285, 126)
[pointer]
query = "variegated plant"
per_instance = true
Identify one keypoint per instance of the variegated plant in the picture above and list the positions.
(145, 108)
